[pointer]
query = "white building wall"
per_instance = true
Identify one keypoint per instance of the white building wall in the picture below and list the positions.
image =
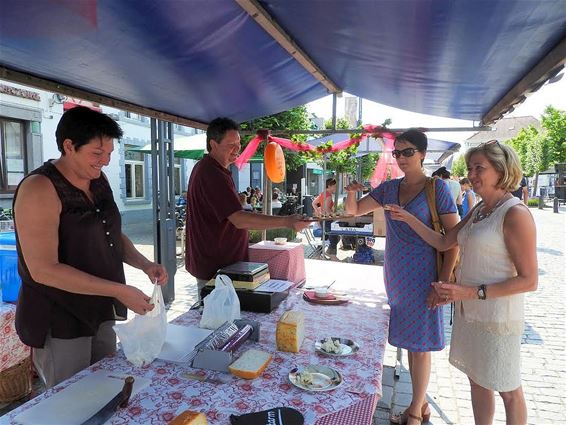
(47, 111)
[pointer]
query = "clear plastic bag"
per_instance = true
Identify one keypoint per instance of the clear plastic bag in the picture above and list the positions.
(142, 338)
(221, 305)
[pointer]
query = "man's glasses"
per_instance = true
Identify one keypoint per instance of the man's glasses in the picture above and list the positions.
(407, 153)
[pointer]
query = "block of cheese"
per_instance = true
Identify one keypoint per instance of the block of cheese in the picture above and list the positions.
(250, 364)
(188, 417)
(290, 331)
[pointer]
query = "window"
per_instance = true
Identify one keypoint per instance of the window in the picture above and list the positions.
(13, 165)
(177, 177)
(134, 116)
(135, 174)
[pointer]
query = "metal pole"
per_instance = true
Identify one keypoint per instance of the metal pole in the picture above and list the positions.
(323, 223)
(164, 206)
(155, 191)
(278, 131)
(334, 100)
(265, 184)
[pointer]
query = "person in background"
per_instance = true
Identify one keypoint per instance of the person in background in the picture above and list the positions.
(468, 196)
(217, 226)
(523, 191)
(71, 251)
(454, 186)
(182, 200)
(323, 205)
(410, 264)
(243, 200)
(275, 202)
(498, 265)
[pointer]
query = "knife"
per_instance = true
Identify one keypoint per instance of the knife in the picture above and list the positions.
(120, 400)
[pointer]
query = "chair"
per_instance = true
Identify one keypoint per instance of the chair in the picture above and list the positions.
(315, 243)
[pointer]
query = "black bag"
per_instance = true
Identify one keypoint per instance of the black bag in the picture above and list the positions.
(275, 416)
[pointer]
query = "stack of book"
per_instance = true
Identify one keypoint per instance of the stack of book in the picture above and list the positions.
(245, 275)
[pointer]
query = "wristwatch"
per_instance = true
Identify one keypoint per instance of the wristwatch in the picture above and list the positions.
(482, 292)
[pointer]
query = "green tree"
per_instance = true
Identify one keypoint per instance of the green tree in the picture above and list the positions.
(459, 167)
(341, 124)
(534, 151)
(554, 124)
(294, 119)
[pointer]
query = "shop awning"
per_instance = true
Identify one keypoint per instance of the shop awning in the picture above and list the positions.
(197, 59)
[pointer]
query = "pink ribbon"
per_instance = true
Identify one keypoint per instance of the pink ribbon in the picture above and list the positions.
(386, 163)
(375, 130)
(248, 152)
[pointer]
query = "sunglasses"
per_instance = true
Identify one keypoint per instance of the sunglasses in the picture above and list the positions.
(495, 142)
(407, 153)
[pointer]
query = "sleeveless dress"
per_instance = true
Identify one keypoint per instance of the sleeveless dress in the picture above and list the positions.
(409, 269)
(486, 336)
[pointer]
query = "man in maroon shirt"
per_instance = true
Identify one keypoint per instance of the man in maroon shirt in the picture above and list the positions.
(217, 226)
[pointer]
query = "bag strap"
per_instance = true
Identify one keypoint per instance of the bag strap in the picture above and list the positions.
(430, 191)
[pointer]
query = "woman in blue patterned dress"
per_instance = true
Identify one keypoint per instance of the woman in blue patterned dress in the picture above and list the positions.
(410, 264)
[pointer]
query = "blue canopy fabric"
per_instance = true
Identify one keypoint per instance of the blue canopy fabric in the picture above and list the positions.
(198, 59)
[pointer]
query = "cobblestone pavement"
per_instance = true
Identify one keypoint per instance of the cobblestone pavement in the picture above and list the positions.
(543, 351)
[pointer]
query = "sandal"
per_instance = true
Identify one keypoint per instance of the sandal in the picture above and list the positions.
(403, 417)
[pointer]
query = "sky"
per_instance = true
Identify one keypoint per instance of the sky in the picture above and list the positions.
(374, 113)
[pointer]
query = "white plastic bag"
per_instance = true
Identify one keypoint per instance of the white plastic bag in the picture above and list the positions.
(142, 337)
(221, 305)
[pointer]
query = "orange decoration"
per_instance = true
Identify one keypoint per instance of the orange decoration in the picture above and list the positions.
(274, 162)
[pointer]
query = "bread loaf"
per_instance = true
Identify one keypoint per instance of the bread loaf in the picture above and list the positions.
(188, 417)
(290, 331)
(250, 364)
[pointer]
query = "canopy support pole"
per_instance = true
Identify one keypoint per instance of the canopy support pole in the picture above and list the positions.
(164, 232)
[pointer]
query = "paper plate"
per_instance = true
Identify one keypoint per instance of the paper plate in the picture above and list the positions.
(316, 378)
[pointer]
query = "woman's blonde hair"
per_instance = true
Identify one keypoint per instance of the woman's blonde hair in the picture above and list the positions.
(505, 161)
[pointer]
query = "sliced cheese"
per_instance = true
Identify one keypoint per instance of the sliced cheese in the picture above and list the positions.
(188, 417)
(290, 331)
(250, 364)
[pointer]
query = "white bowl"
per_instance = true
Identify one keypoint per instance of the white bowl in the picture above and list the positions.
(280, 241)
(321, 293)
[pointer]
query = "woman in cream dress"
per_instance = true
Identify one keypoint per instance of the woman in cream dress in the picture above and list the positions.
(498, 264)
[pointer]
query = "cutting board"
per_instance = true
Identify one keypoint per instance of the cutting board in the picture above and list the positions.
(180, 341)
(80, 400)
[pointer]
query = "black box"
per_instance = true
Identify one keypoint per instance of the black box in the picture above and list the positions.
(256, 301)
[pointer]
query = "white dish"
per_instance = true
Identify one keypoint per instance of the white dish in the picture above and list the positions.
(321, 293)
(347, 347)
(280, 241)
(316, 378)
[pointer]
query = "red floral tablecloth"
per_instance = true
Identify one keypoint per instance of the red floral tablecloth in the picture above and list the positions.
(286, 262)
(12, 350)
(365, 320)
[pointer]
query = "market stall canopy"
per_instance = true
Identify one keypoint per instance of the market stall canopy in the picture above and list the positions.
(189, 61)
(437, 152)
(190, 147)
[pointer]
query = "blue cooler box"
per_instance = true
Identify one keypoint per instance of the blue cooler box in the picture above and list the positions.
(9, 277)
